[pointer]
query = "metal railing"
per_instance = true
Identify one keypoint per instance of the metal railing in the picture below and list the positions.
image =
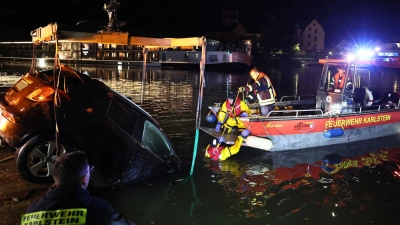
(361, 109)
(296, 112)
(297, 97)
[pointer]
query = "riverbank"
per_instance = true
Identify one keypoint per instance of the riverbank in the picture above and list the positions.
(16, 194)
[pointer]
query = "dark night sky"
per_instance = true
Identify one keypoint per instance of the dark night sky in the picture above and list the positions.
(358, 20)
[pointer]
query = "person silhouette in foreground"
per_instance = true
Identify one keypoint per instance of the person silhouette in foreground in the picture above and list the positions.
(68, 201)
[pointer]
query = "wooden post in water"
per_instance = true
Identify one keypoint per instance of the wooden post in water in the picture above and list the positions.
(200, 99)
(145, 51)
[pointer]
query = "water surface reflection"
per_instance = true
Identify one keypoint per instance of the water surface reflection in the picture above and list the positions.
(355, 183)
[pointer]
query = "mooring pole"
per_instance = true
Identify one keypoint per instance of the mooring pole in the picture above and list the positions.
(200, 99)
(145, 51)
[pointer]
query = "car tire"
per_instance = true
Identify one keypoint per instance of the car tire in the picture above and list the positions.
(34, 160)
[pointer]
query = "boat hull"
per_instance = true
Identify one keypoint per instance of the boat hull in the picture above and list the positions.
(298, 133)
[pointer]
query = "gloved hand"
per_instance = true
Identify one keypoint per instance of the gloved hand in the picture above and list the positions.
(243, 114)
(241, 89)
(221, 139)
(245, 133)
(218, 127)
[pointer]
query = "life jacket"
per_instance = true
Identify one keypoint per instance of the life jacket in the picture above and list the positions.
(236, 110)
(339, 80)
(214, 152)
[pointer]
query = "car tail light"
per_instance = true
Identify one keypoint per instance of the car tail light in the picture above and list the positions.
(41, 94)
(8, 116)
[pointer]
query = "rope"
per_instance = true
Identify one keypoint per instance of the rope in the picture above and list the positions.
(223, 132)
(56, 88)
(33, 65)
(265, 128)
(330, 117)
(326, 124)
(243, 95)
(234, 108)
(7, 159)
(250, 104)
(197, 202)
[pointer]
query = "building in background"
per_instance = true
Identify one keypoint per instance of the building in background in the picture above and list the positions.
(311, 38)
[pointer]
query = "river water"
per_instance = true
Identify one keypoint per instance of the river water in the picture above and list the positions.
(356, 183)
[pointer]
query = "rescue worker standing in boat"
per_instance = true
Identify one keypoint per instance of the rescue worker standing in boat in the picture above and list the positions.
(231, 109)
(265, 91)
(339, 78)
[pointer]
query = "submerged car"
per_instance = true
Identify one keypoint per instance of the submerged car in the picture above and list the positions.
(48, 113)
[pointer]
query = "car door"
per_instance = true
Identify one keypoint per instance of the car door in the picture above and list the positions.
(119, 156)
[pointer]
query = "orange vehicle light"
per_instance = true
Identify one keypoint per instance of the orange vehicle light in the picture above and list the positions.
(41, 94)
(8, 116)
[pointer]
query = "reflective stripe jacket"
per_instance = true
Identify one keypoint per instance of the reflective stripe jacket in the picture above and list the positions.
(264, 89)
(99, 211)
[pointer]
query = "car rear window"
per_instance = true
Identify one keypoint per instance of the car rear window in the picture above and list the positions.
(120, 113)
(21, 84)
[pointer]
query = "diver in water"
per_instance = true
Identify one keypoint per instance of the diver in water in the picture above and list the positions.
(219, 152)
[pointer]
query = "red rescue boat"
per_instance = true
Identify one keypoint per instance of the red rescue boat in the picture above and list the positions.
(359, 110)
